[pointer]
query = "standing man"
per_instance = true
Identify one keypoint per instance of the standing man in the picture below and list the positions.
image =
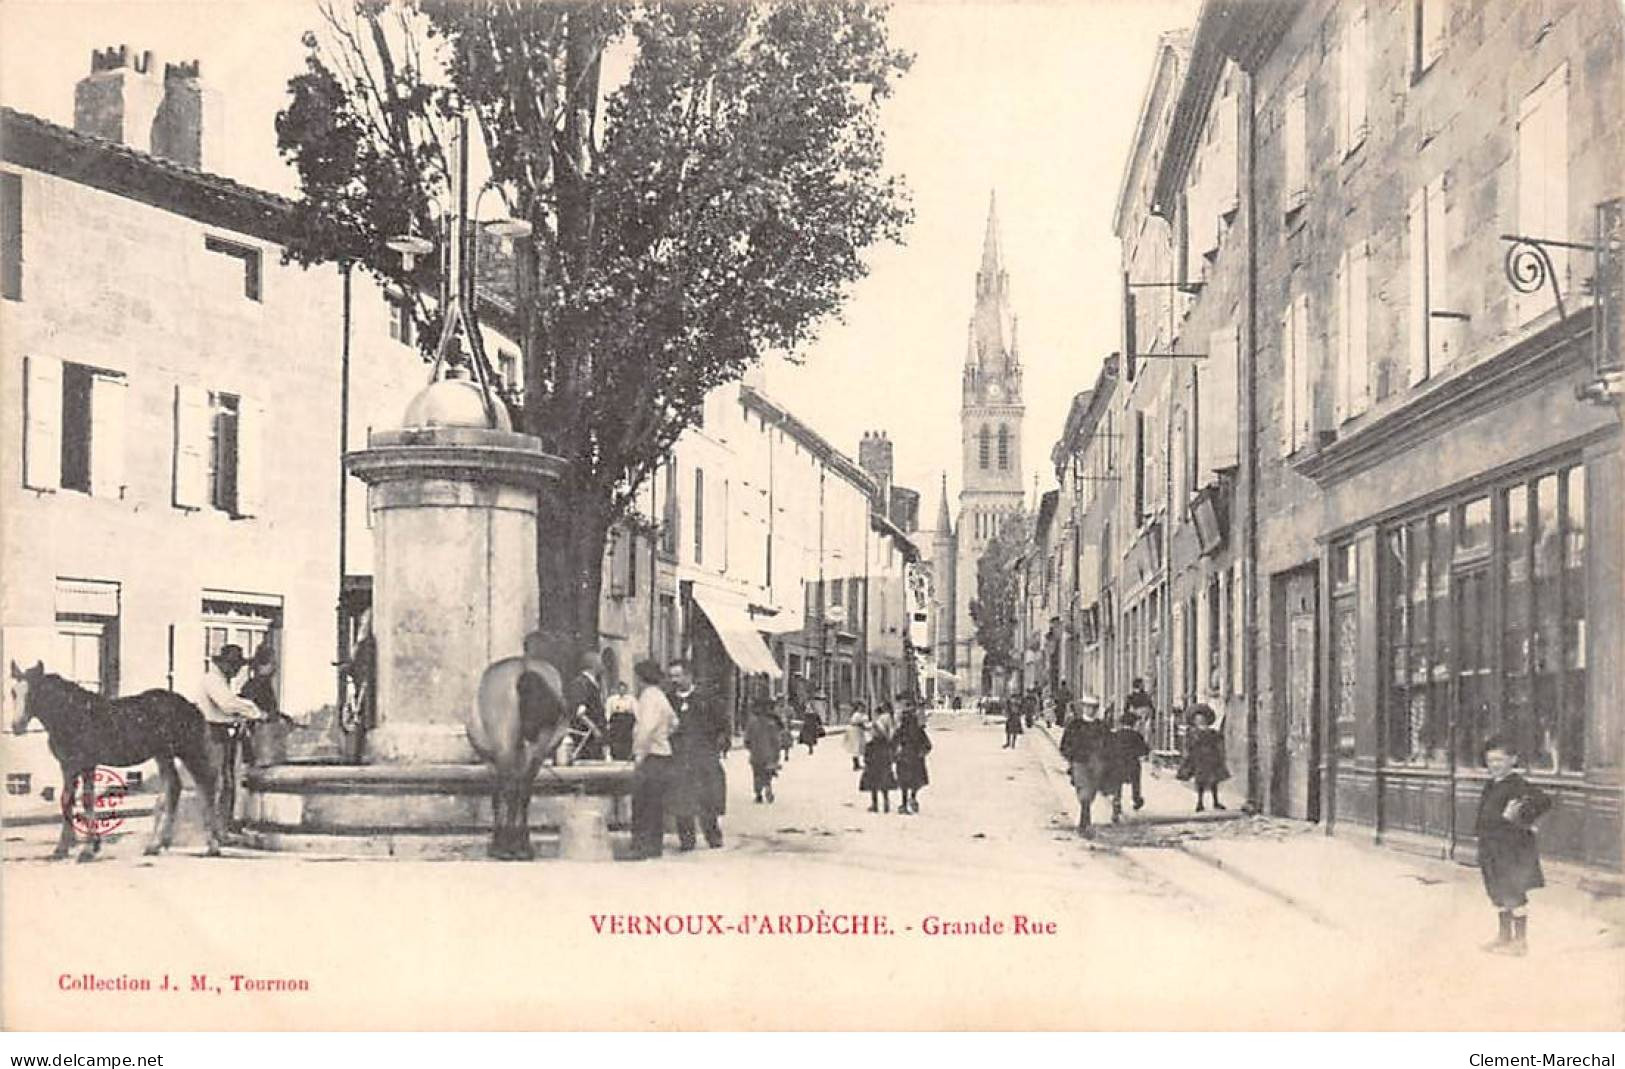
(699, 788)
(586, 701)
(651, 762)
(228, 715)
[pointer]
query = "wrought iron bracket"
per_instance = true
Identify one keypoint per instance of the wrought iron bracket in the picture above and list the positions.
(1529, 265)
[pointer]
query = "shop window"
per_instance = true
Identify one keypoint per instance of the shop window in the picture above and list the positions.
(1345, 647)
(1483, 626)
(85, 647)
(247, 621)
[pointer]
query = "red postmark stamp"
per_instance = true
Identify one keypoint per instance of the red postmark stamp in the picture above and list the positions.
(109, 795)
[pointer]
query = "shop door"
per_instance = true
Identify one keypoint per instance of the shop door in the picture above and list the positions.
(1297, 750)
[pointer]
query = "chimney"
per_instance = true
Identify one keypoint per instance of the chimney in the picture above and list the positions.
(188, 120)
(875, 457)
(119, 99)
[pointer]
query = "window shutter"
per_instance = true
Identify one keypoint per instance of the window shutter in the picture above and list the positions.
(1289, 390)
(1295, 134)
(1359, 316)
(1227, 172)
(1216, 430)
(107, 435)
(1345, 319)
(1351, 132)
(1303, 375)
(11, 236)
(250, 458)
(1441, 350)
(1433, 30)
(1238, 632)
(191, 447)
(1419, 289)
(42, 418)
(1202, 683)
(1543, 178)
(616, 551)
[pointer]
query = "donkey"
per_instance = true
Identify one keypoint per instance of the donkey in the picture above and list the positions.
(85, 730)
(518, 720)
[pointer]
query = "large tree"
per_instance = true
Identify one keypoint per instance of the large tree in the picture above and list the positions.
(997, 603)
(711, 205)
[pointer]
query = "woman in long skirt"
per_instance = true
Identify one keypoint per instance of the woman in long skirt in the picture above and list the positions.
(912, 746)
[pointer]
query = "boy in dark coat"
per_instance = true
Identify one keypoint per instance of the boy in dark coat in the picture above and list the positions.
(1125, 748)
(1508, 856)
(762, 742)
(878, 775)
(1012, 723)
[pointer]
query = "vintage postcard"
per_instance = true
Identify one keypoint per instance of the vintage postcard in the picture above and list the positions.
(812, 514)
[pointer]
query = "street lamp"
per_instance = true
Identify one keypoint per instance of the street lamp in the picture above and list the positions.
(458, 294)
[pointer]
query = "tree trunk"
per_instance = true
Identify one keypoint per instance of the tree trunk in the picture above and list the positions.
(571, 533)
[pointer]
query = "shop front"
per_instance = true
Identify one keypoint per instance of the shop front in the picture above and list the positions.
(1472, 571)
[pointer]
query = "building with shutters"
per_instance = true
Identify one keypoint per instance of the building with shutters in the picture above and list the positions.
(1368, 500)
(173, 401)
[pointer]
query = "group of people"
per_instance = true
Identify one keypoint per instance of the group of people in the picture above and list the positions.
(889, 753)
(678, 740)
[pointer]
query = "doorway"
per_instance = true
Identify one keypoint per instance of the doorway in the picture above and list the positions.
(1294, 773)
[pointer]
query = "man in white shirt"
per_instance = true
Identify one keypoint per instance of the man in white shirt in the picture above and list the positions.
(225, 710)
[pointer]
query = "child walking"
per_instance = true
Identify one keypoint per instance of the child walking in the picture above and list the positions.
(912, 746)
(762, 743)
(1204, 757)
(1508, 855)
(1125, 748)
(878, 776)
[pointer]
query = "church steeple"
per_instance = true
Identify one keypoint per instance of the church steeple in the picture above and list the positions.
(992, 262)
(944, 522)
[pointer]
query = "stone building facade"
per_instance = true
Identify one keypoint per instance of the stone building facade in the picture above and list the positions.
(1397, 528)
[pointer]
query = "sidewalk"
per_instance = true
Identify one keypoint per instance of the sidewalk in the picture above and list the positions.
(1427, 904)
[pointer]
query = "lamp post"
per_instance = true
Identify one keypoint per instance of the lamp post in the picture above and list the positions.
(459, 299)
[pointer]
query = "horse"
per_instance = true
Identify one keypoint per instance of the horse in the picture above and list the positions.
(519, 719)
(1084, 745)
(85, 730)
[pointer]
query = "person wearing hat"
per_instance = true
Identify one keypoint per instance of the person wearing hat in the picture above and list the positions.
(226, 713)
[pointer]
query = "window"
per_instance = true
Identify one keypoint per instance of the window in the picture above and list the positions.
(402, 324)
(1428, 18)
(1295, 136)
(1004, 447)
(11, 236)
(1298, 393)
(1353, 382)
(245, 620)
(85, 646)
(508, 371)
(247, 256)
(982, 439)
(1139, 468)
(1355, 62)
(223, 426)
(1543, 179)
(1484, 625)
(1237, 633)
(74, 427)
(699, 516)
(1345, 646)
(669, 516)
(1433, 339)
(217, 451)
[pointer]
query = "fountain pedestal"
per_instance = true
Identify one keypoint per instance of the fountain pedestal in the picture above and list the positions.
(454, 504)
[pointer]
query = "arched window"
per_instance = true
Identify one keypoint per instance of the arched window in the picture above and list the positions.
(1004, 447)
(982, 444)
